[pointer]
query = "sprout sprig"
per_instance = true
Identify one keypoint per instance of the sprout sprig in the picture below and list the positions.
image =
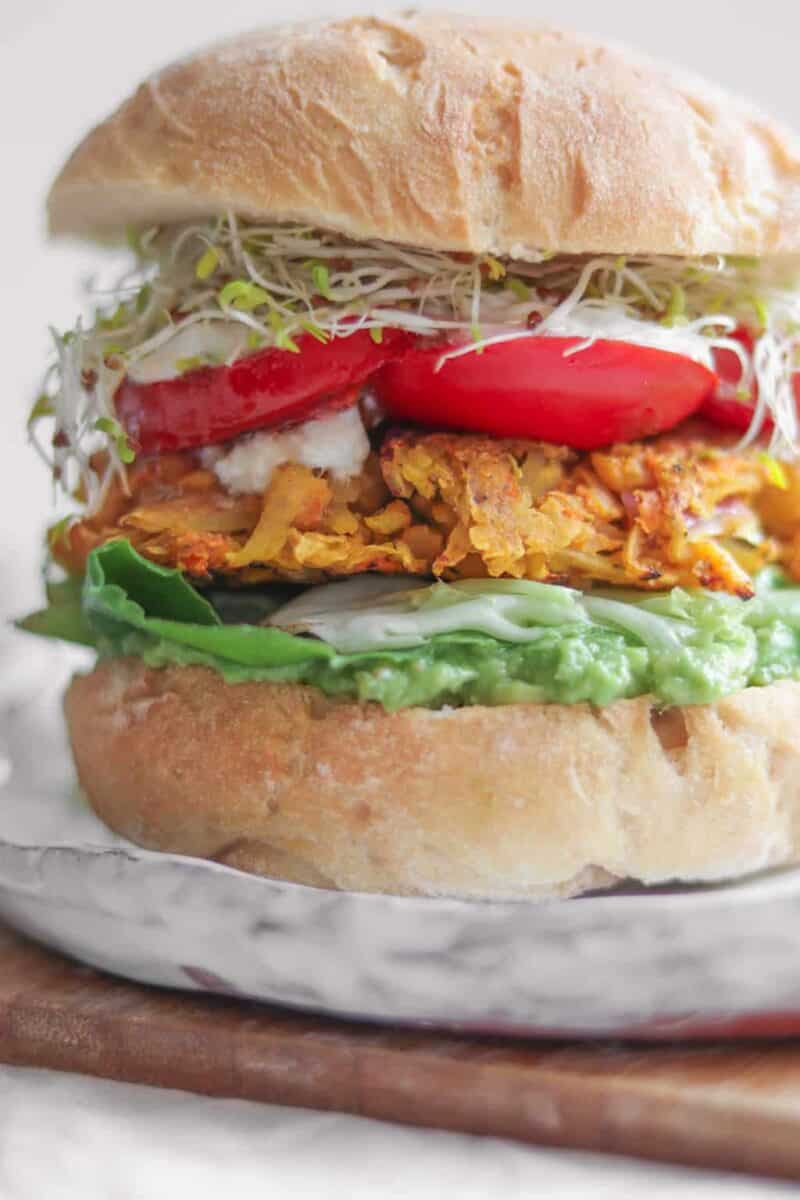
(283, 282)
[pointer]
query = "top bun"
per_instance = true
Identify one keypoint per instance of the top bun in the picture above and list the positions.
(459, 133)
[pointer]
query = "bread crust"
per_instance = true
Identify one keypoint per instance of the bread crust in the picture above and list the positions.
(519, 800)
(441, 131)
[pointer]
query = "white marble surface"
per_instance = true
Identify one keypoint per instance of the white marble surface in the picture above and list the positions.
(60, 1136)
(63, 1138)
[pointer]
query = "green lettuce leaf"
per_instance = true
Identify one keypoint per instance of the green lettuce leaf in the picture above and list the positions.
(64, 617)
(477, 642)
(123, 593)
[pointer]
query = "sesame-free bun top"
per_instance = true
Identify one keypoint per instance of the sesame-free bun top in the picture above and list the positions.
(459, 133)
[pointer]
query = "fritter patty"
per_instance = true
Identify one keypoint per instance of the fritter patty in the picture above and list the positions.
(674, 511)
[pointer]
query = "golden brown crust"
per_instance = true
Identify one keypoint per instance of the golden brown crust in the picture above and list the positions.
(679, 511)
(443, 131)
(518, 800)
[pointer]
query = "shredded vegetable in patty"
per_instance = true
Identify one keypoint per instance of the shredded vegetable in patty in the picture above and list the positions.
(675, 511)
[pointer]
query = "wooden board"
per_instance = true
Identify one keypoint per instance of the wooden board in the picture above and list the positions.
(734, 1106)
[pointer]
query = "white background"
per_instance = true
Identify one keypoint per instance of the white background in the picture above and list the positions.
(63, 65)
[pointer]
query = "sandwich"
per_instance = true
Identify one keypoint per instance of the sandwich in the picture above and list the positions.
(433, 464)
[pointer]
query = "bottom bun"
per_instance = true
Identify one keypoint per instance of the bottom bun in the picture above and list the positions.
(519, 800)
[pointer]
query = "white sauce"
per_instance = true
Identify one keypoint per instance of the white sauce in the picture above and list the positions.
(223, 341)
(615, 326)
(218, 341)
(337, 443)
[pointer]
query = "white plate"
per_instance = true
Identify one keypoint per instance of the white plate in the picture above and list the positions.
(624, 962)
